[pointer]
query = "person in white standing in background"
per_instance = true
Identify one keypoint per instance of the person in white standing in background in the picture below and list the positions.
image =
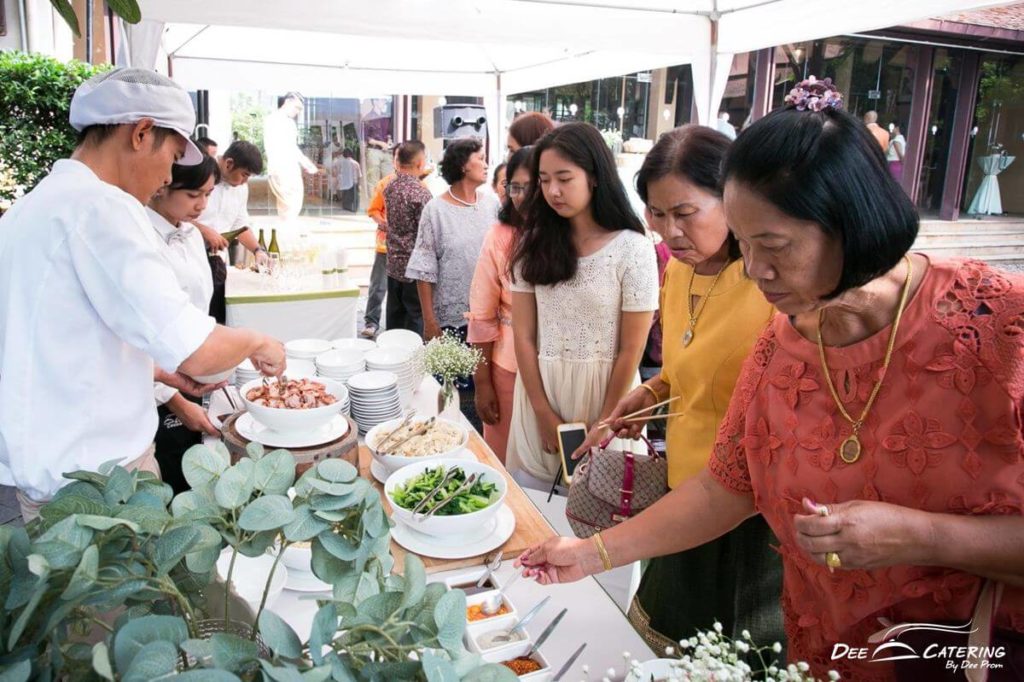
(226, 211)
(87, 303)
(285, 161)
(349, 175)
(894, 155)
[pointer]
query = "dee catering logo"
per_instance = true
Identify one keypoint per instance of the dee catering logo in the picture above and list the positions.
(957, 658)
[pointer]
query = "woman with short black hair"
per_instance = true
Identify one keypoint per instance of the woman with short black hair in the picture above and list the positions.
(876, 425)
(584, 290)
(451, 232)
(183, 421)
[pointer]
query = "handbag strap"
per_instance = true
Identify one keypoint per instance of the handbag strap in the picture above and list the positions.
(651, 452)
(626, 491)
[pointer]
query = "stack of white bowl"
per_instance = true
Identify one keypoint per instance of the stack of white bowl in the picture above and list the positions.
(400, 361)
(375, 399)
(340, 366)
(403, 339)
(244, 373)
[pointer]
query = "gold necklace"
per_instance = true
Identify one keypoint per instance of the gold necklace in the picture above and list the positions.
(849, 449)
(688, 336)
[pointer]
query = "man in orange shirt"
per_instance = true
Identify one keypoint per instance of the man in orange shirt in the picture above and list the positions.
(378, 275)
(879, 133)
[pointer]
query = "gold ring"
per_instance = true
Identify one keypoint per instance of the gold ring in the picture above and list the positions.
(833, 561)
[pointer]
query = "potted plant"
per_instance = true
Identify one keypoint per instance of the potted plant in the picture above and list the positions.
(114, 581)
(449, 360)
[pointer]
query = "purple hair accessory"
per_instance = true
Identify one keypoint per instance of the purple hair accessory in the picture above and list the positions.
(815, 95)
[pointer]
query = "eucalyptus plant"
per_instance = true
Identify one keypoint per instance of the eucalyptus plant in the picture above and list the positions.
(112, 582)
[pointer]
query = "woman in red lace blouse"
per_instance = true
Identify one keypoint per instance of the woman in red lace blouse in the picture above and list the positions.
(895, 488)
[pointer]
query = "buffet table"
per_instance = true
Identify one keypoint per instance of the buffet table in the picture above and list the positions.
(290, 308)
(592, 618)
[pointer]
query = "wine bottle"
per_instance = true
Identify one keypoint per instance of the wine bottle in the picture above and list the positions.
(263, 244)
(274, 248)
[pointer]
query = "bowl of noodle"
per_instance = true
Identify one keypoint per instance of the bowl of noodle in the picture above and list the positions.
(443, 439)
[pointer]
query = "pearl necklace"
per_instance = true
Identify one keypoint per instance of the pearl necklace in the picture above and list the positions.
(464, 203)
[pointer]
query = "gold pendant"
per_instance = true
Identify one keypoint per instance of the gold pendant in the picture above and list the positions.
(687, 337)
(849, 451)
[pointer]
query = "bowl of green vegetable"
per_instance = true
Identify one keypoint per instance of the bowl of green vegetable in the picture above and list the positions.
(459, 507)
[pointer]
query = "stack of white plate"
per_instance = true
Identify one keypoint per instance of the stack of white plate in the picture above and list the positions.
(245, 372)
(306, 349)
(401, 362)
(374, 399)
(340, 365)
(403, 339)
(299, 369)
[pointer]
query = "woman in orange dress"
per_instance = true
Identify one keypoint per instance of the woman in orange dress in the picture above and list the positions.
(876, 425)
(490, 311)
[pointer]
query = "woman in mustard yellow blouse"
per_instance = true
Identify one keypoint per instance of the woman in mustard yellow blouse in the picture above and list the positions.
(711, 315)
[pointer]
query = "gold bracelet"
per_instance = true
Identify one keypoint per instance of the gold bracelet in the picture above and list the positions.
(606, 561)
(657, 398)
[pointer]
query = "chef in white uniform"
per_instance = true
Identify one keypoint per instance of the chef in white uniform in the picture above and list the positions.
(87, 302)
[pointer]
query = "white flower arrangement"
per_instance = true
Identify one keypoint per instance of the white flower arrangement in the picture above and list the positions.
(713, 656)
(449, 359)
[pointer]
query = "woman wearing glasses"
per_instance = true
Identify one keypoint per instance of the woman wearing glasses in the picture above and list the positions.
(490, 305)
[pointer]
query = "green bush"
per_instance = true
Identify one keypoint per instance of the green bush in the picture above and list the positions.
(35, 95)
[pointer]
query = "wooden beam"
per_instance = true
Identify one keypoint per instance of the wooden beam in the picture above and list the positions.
(960, 136)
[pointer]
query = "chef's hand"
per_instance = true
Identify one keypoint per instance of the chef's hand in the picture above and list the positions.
(193, 417)
(185, 383)
(269, 358)
(212, 238)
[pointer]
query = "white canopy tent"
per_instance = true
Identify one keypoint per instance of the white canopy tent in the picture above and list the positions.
(488, 48)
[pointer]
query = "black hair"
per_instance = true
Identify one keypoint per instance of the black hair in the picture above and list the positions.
(290, 95)
(409, 150)
(545, 252)
(827, 168)
(245, 155)
(194, 177)
(96, 134)
(695, 153)
(508, 213)
(456, 156)
(497, 169)
(204, 142)
(347, 153)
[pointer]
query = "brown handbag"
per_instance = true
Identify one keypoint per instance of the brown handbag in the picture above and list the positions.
(610, 486)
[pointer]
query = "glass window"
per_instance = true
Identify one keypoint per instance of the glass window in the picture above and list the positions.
(997, 140)
(946, 66)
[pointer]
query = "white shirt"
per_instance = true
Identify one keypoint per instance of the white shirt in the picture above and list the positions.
(185, 251)
(892, 154)
(227, 208)
(87, 304)
(348, 171)
(281, 140)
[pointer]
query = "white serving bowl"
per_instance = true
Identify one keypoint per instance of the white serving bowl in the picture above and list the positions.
(298, 558)
(358, 345)
(214, 378)
(396, 462)
(399, 338)
(306, 349)
(341, 360)
(290, 421)
(249, 577)
(446, 526)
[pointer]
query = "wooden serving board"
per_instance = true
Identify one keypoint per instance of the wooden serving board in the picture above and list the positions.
(531, 526)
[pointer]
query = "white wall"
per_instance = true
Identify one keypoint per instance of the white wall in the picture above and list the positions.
(12, 41)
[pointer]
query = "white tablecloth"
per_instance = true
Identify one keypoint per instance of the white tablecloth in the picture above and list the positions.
(290, 311)
(593, 615)
(987, 200)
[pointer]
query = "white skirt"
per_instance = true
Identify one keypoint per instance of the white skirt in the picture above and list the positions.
(576, 391)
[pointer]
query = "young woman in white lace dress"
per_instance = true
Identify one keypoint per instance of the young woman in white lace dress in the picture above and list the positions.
(584, 290)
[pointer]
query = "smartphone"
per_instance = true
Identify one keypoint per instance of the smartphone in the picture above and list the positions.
(570, 437)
